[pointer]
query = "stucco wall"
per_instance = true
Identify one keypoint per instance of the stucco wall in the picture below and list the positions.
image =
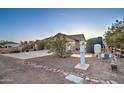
(74, 44)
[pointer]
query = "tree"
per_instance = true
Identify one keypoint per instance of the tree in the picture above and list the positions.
(115, 34)
(48, 42)
(58, 45)
(3, 42)
(25, 42)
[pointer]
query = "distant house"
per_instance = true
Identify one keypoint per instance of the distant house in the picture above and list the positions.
(10, 44)
(74, 41)
(9, 47)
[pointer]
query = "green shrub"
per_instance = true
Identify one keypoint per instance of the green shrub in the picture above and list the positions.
(40, 44)
(58, 45)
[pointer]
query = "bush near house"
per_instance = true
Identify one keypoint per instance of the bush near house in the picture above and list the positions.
(40, 44)
(48, 44)
(58, 45)
(28, 46)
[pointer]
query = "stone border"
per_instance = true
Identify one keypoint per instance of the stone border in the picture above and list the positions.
(61, 71)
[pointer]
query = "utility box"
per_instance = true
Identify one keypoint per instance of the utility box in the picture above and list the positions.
(97, 49)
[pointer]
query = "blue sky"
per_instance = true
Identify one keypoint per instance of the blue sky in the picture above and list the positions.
(31, 24)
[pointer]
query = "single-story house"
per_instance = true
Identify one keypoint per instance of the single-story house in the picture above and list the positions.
(8, 46)
(74, 40)
(11, 45)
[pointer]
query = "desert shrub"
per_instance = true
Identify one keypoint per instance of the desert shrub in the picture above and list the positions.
(14, 51)
(58, 45)
(40, 44)
(27, 50)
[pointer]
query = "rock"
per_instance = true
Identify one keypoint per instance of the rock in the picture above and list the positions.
(47, 69)
(81, 74)
(108, 82)
(58, 70)
(25, 62)
(87, 78)
(28, 62)
(33, 64)
(94, 80)
(38, 66)
(54, 70)
(61, 71)
(65, 73)
(44, 67)
(113, 82)
(103, 82)
(50, 69)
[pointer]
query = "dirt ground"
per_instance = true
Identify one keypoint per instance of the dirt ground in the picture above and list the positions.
(15, 72)
(12, 71)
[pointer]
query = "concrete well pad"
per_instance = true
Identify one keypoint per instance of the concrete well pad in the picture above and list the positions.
(87, 55)
(82, 67)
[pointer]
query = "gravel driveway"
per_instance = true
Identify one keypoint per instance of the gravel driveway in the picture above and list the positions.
(28, 55)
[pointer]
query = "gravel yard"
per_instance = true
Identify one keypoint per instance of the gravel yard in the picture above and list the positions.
(46, 70)
(13, 71)
(98, 70)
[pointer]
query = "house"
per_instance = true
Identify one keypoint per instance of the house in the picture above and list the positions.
(10, 44)
(74, 41)
(9, 47)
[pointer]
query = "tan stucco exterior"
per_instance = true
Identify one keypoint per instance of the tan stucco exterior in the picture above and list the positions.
(73, 44)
